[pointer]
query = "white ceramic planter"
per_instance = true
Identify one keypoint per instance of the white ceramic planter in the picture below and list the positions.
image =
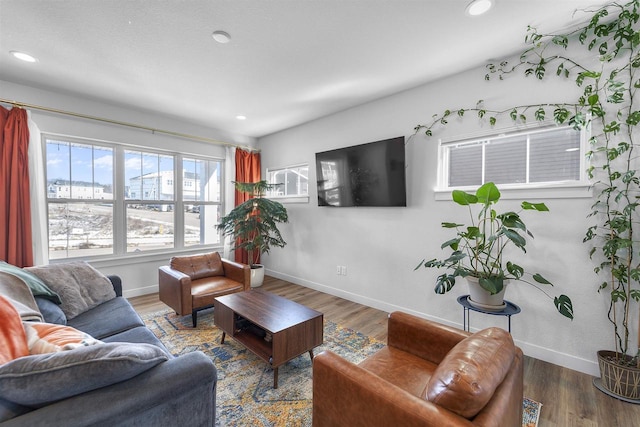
(482, 299)
(257, 275)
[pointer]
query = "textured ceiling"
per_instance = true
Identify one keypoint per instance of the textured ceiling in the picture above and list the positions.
(288, 62)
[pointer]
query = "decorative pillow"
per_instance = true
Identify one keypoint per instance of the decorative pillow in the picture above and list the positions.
(13, 341)
(80, 286)
(37, 286)
(50, 338)
(469, 374)
(19, 295)
(51, 313)
(40, 379)
(199, 266)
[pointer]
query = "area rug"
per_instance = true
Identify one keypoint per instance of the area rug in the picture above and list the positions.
(245, 393)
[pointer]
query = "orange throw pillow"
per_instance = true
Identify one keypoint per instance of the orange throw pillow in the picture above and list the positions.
(13, 340)
(50, 338)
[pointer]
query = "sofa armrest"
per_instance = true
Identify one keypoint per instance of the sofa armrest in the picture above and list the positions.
(175, 289)
(116, 282)
(238, 272)
(174, 391)
(344, 394)
(421, 337)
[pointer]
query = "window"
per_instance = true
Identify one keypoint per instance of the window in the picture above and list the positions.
(80, 199)
(201, 200)
(290, 182)
(548, 156)
(97, 208)
(150, 202)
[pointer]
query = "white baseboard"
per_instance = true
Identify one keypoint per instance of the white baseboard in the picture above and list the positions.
(546, 354)
(136, 292)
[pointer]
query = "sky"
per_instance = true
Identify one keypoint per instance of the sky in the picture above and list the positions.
(72, 161)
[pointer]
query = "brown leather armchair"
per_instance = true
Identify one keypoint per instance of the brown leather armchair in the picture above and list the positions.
(428, 375)
(190, 283)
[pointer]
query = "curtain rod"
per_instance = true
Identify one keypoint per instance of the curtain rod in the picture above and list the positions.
(127, 124)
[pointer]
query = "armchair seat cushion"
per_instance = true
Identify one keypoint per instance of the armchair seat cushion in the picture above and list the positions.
(203, 291)
(400, 368)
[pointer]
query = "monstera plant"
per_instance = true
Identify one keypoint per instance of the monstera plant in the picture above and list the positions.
(479, 250)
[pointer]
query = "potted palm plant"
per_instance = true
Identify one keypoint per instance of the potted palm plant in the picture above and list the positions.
(478, 252)
(605, 64)
(252, 225)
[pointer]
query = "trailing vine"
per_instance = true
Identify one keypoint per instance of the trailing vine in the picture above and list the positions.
(608, 107)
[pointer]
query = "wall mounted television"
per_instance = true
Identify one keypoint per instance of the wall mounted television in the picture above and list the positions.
(371, 174)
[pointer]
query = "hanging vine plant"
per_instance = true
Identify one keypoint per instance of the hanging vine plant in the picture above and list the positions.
(608, 106)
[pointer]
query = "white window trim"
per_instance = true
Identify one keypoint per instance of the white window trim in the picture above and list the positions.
(300, 198)
(581, 188)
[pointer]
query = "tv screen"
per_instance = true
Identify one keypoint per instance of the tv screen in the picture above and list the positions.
(370, 174)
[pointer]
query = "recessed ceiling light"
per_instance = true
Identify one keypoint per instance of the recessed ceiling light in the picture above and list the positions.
(478, 7)
(241, 117)
(221, 36)
(23, 56)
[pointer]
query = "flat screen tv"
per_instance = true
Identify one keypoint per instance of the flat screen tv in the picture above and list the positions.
(370, 174)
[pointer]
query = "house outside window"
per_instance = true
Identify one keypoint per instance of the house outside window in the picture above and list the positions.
(545, 157)
(97, 209)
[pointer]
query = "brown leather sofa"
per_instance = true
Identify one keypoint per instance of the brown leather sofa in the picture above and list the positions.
(428, 375)
(191, 282)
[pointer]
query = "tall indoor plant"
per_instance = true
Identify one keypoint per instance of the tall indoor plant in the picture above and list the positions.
(479, 250)
(604, 63)
(253, 225)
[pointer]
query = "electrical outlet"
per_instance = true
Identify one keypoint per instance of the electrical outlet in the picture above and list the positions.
(338, 270)
(344, 270)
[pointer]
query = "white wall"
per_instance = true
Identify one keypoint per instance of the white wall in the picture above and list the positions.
(139, 272)
(382, 246)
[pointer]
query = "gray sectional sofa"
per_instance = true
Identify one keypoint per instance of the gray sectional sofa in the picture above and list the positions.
(174, 391)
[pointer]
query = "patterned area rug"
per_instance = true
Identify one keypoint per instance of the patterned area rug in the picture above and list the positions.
(245, 394)
(531, 412)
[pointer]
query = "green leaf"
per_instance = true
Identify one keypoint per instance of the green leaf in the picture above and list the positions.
(488, 193)
(453, 244)
(463, 198)
(451, 225)
(564, 306)
(515, 270)
(471, 233)
(593, 99)
(560, 115)
(538, 278)
(539, 114)
(491, 284)
(515, 237)
(541, 207)
(492, 121)
(444, 283)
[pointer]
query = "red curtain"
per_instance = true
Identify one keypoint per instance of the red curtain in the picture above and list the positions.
(15, 208)
(247, 170)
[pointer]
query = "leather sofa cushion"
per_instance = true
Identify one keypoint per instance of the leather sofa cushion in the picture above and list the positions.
(199, 266)
(469, 374)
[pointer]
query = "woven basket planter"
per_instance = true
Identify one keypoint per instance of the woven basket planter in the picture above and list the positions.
(623, 381)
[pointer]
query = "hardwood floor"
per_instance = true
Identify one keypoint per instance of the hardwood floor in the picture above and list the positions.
(568, 397)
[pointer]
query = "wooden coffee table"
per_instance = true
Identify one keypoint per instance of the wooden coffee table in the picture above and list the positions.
(291, 329)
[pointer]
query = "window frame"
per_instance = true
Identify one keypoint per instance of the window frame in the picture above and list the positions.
(120, 201)
(295, 198)
(580, 188)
